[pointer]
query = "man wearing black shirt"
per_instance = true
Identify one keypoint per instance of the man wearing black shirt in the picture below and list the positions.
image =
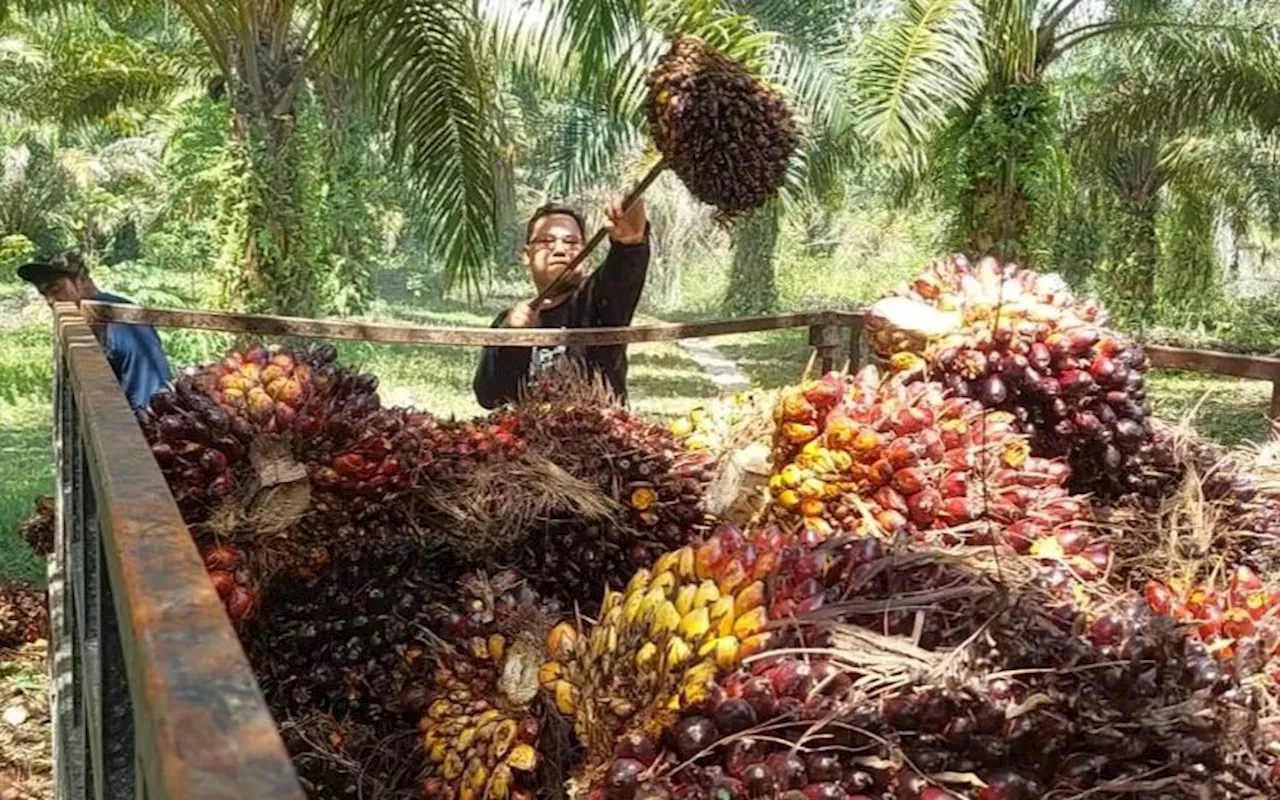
(608, 298)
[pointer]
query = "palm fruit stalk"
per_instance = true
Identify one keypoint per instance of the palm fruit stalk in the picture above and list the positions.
(1021, 342)
(24, 617)
(725, 133)
(981, 695)
(872, 456)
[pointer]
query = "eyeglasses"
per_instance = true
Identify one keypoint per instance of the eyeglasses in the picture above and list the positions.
(549, 242)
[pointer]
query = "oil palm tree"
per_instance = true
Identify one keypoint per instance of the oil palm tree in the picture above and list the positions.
(966, 85)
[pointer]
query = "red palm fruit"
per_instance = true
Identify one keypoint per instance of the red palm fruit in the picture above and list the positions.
(890, 521)
(222, 581)
(1237, 623)
(840, 431)
(1158, 597)
(955, 433)
(953, 484)
(888, 497)
(325, 476)
(222, 557)
(285, 417)
(1073, 540)
(909, 421)
(931, 444)
(1244, 581)
(825, 791)
(1200, 597)
(959, 458)
(923, 506)
(213, 461)
(1210, 626)
(349, 464)
(638, 747)
(908, 481)
(1093, 561)
(788, 769)
(759, 692)
(220, 486)
(826, 391)
(734, 715)
(956, 509)
(1256, 604)
(902, 453)
(1020, 534)
(798, 432)
(163, 454)
(240, 603)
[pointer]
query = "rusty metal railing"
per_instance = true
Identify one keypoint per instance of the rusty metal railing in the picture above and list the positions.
(152, 694)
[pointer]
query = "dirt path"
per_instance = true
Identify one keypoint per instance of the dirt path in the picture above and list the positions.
(722, 371)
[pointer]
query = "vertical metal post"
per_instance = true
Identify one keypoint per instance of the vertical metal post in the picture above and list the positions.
(858, 354)
(1274, 411)
(825, 340)
(68, 729)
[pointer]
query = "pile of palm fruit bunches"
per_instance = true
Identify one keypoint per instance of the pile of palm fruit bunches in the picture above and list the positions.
(927, 603)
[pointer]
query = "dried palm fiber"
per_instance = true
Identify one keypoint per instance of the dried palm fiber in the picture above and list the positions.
(336, 758)
(920, 671)
(488, 510)
(1021, 342)
(726, 134)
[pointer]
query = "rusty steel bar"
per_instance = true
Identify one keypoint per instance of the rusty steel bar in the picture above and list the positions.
(262, 324)
(201, 728)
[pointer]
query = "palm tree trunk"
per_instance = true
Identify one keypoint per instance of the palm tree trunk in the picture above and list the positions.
(270, 254)
(1137, 257)
(752, 284)
(999, 158)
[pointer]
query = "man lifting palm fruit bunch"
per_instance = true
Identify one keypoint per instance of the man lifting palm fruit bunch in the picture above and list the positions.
(608, 297)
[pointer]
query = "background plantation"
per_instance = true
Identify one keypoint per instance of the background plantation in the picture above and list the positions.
(377, 160)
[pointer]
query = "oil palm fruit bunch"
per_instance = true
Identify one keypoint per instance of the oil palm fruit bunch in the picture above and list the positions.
(480, 722)
(726, 422)
(661, 643)
(725, 133)
(983, 692)
(23, 615)
(1235, 618)
(872, 456)
(37, 530)
(1019, 341)
(348, 639)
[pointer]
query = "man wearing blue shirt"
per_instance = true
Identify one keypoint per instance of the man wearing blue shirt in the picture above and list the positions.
(133, 351)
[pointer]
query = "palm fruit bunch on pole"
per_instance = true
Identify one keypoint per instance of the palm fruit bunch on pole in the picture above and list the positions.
(1021, 342)
(481, 715)
(878, 456)
(726, 134)
(922, 677)
(23, 615)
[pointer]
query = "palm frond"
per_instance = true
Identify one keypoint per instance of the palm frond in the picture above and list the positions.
(420, 62)
(916, 69)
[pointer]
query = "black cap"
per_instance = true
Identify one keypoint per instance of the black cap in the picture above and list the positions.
(67, 264)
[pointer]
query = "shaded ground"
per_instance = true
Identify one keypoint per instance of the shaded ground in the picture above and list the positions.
(26, 750)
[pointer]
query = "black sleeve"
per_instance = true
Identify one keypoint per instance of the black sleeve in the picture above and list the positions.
(616, 286)
(501, 371)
